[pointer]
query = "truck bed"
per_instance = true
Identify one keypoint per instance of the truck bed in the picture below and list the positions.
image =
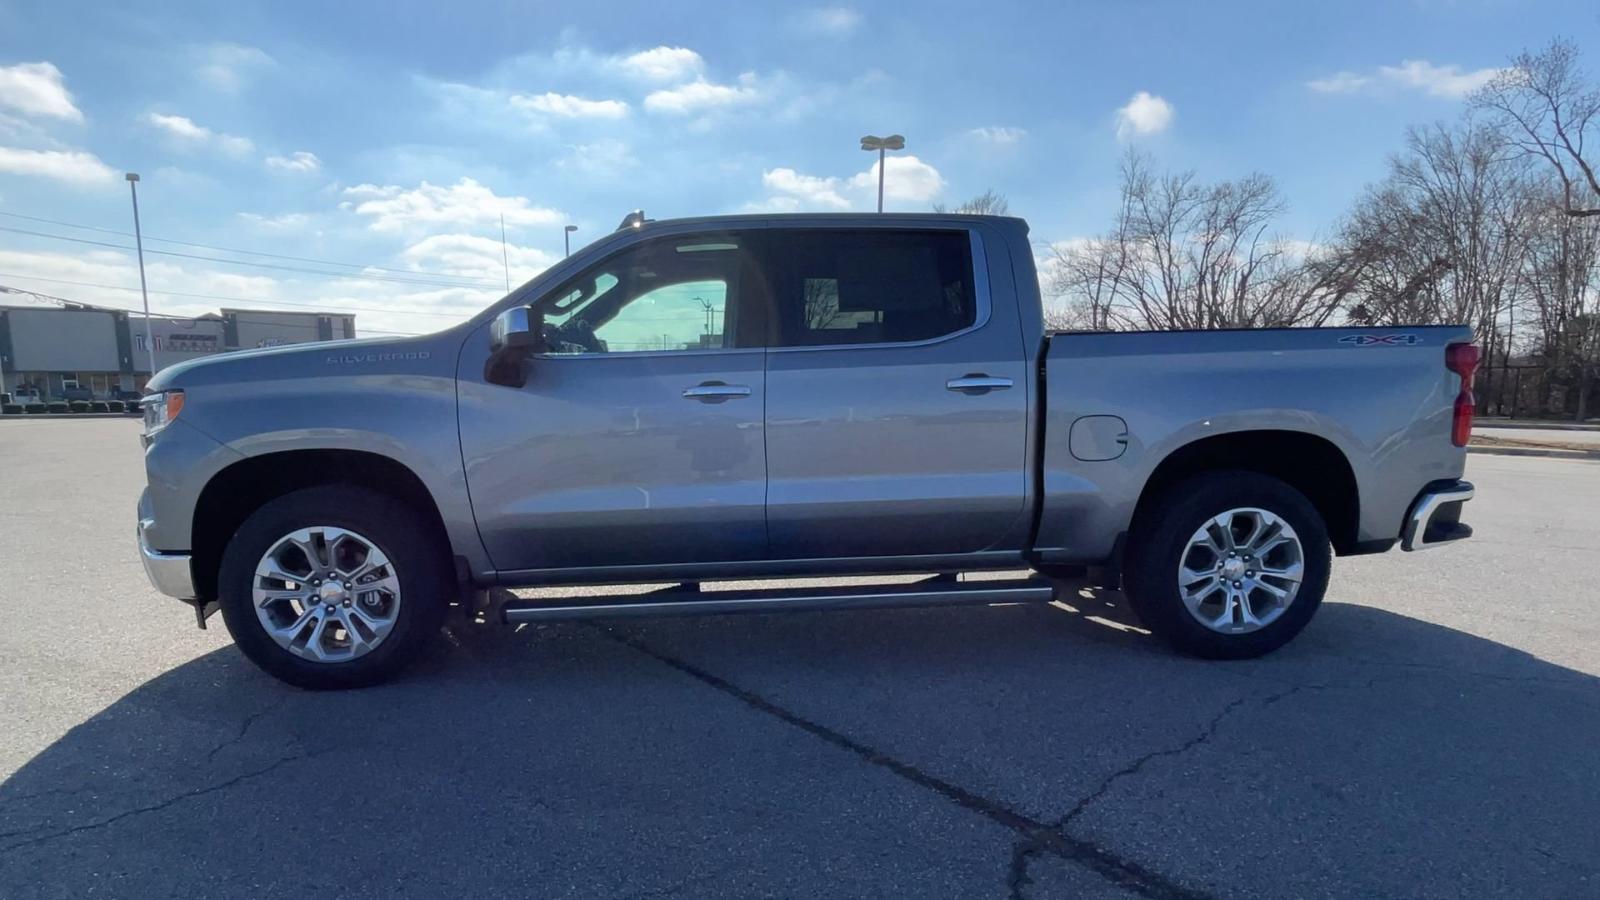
(1381, 397)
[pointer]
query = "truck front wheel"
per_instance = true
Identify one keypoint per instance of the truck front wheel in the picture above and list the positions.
(1227, 565)
(333, 587)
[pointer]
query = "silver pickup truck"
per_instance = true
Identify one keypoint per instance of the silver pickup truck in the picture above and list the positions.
(790, 396)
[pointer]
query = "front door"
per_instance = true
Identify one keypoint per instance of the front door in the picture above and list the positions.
(638, 439)
(897, 399)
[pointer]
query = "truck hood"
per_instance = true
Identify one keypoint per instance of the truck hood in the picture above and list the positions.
(244, 365)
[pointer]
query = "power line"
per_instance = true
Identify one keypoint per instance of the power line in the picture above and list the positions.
(93, 306)
(324, 262)
(245, 262)
(316, 306)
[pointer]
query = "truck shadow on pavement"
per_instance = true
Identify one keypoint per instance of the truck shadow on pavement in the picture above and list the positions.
(1030, 751)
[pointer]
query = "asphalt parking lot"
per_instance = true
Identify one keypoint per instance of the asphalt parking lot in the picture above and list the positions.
(1433, 733)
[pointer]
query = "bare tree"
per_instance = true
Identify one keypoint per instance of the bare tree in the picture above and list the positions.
(1561, 277)
(821, 303)
(1443, 237)
(1551, 111)
(987, 203)
(1182, 254)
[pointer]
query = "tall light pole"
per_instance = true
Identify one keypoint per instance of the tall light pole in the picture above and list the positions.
(566, 239)
(138, 242)
(881, 144)
(505, 258)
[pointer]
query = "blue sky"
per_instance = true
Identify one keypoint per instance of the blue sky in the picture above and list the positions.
(394, 135)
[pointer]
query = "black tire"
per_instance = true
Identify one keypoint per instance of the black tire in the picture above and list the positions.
(1160, 536)
(422, 565)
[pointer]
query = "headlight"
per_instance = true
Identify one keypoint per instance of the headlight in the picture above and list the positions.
(160, 409)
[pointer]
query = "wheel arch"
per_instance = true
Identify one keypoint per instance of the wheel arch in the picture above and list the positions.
(238, 490)
(1309, 463)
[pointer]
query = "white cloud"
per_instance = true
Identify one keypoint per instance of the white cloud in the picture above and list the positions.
(702, 96)
(567, 106)
(663, 64)
(1146, 113)
(298, 161)
(601, 158)
(1448, 81)
(225, 67)
(63, 165)
(998, 135)
(1339, 83)
(284, 222)
(471, 256)
(16, 128)
(906, 178)
(186, 129)
(393, 208)
(1439, 81)
(37, 89)
(829, 21)
(796, 191)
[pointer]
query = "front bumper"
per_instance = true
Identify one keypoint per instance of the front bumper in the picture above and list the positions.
(169, 572)
(1435, 516)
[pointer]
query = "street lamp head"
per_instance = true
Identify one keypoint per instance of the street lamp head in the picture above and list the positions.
(131, 176)
(571, 228)
(892, 142)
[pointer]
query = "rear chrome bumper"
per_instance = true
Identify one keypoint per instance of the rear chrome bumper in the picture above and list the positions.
(169, 572)
(1435, 516)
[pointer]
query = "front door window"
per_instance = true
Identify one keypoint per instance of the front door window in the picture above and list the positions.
(672, 294)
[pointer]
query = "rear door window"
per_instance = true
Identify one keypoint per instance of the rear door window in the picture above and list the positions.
(872, 286)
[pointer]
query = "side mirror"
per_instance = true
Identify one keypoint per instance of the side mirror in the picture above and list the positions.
(512, 338)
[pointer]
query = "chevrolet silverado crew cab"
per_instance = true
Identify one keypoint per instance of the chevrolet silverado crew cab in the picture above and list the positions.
(790, 396)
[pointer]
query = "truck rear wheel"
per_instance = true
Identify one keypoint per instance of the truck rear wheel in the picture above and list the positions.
(1227, 565)
(333, 587)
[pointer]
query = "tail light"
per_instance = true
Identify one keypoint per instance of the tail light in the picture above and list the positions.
(1462, 359)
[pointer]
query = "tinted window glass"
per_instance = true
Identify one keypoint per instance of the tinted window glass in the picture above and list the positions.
(869, 286)
(686, 293)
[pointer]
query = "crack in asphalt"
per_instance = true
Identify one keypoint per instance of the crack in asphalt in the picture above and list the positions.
(1034, 833)
(244, 728)
(154, 807)
(1022, 853)
(1134, 767)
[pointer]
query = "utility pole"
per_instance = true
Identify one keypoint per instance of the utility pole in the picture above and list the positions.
(505, 260)
(138, 242)
(881, 144)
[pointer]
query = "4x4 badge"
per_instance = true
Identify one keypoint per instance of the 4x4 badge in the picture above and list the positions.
(1373, 340)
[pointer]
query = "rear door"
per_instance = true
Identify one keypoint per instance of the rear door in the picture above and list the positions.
(897, 399)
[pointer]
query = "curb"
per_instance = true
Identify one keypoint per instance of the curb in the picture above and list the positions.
(1537, 426)
(1535, 451)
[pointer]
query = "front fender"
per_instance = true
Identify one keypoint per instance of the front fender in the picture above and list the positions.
(402, 407)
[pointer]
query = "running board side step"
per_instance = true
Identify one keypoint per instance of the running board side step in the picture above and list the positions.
(678, 602)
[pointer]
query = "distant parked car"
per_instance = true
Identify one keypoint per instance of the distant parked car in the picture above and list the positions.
(25, 395)
(77, 393)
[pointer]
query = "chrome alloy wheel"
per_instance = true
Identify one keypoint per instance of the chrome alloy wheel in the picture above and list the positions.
(1241, 570)
(326, 594)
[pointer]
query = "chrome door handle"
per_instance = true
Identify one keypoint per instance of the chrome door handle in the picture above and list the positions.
(977, 384)
(716, 392)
